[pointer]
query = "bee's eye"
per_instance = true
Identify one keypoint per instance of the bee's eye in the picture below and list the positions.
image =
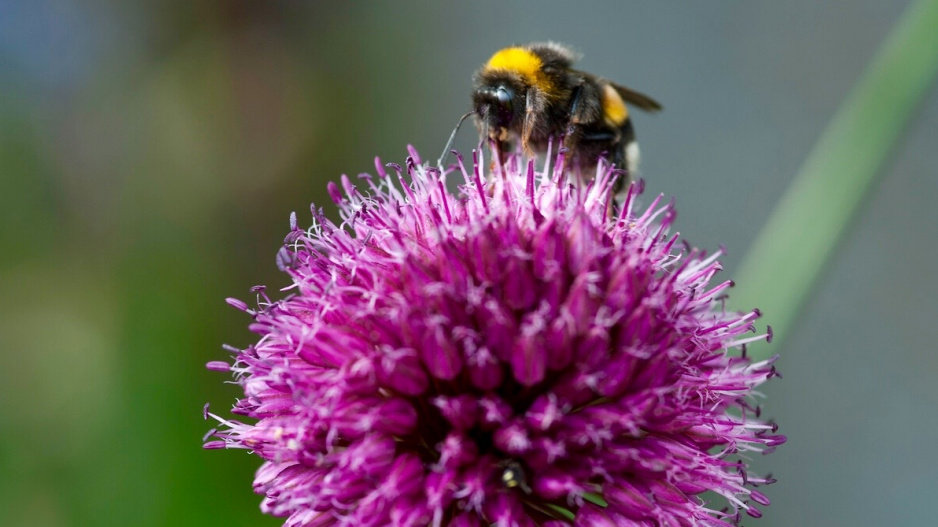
(504, 96)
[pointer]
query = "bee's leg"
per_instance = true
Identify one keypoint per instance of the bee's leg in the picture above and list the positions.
(497, 149)
(627, 153)
(621, 162)
(574, 117)
(585, 111)
(571, 134)
(501, 149)
(595, 143)
(527, 127)
(625, 157)
(535, 105)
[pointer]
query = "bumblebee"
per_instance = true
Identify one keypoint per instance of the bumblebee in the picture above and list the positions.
(532, 93)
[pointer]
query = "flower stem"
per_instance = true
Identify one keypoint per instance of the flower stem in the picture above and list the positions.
(786, 260)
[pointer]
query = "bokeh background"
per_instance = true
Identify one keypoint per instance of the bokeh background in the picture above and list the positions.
(151, 152)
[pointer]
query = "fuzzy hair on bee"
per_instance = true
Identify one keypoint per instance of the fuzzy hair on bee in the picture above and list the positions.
(532, 94)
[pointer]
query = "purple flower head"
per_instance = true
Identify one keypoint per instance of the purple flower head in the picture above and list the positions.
(514, 355)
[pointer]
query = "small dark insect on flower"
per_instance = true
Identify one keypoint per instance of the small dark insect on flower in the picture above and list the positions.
(513, 477)
(500, 356)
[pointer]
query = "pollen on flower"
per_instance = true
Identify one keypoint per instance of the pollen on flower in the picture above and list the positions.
(513, 353)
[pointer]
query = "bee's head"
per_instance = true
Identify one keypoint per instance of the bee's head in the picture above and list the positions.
(499, 103)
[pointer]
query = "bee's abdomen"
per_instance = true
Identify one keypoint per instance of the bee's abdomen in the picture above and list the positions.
(615, 112)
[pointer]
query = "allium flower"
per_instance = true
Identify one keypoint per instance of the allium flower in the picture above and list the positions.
(514, 355)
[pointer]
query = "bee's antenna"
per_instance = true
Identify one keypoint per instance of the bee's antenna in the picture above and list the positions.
(449, 143)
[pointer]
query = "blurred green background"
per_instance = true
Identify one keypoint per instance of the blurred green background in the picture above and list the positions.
(150, 154)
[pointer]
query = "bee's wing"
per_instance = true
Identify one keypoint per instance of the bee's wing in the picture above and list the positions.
(640, 100)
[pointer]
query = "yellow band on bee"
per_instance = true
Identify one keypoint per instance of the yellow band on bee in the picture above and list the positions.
(614, 110)
(522, 62)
